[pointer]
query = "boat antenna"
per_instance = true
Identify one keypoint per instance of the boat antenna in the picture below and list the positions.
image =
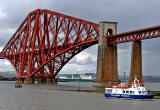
(124, 76)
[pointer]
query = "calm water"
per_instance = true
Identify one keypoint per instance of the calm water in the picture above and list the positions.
(153, 85)
(86, 85)
(47, 97)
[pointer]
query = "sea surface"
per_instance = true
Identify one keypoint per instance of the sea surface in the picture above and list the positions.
(53, 97)
(154, 86)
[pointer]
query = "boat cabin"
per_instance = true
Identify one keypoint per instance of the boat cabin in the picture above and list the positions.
(135, 89)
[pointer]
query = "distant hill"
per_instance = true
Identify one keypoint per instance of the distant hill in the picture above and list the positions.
(13, 75)
(93, 75)
(121, 77)
(8, 76)
(145, 78)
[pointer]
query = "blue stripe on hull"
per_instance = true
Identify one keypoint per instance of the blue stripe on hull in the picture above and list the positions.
(150, 96)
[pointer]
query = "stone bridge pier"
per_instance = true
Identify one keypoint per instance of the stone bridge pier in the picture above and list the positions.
(107, 62)
(136, 62)
(107, 69)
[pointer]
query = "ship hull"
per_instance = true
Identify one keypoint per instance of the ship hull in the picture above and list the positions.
(149, 96)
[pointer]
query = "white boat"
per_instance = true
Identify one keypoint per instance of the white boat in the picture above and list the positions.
(136, 91)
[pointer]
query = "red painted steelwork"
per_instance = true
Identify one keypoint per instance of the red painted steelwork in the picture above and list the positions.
(146, 33)
(46, 41)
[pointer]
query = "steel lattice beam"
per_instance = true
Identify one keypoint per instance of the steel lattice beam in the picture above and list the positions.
(46, 41)
(140, 34)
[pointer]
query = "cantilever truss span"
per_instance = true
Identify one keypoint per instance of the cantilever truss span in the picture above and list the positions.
(46, 41)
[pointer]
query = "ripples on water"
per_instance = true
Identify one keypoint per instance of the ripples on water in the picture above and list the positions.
(155, 86)
(42, 97)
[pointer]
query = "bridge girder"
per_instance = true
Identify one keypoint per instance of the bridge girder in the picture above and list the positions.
(46, 41)
(140, 34)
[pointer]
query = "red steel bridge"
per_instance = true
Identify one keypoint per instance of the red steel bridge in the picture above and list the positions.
(47, 40)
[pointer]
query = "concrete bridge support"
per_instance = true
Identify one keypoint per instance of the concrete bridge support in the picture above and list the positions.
(51, 81)
(107, 69)
(39, 81)
(136, 62)
(28, 81)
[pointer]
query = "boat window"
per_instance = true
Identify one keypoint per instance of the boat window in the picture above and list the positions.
(127, 91)
(131, 92)
(123, 91)
(109, 90)
(144, 92)
(139, 92)
(141, 85)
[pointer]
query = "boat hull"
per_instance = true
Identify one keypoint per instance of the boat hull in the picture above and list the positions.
(149, 96)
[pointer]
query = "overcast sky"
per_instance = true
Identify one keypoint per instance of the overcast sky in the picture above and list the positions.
(130, 15)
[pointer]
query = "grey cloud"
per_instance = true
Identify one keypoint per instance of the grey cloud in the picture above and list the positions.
(130, 15)
(85, 62)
